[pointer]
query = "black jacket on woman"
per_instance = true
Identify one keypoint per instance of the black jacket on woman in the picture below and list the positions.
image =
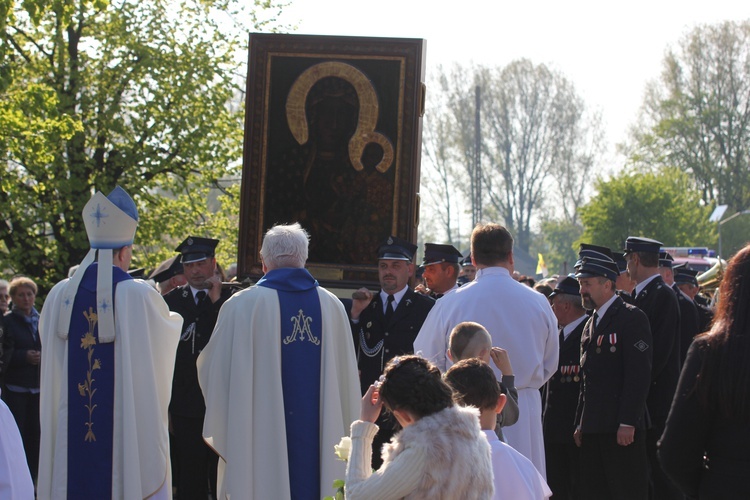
(20, 337)
(694, 432)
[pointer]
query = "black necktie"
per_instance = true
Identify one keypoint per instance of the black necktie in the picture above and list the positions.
(199, 297)
(389, 309)
(596, 319)
(562, 335)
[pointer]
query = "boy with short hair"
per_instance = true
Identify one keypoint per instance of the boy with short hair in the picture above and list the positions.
(474, 384)
(472, 340)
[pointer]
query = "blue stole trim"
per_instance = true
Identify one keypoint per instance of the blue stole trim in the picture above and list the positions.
(301, 337)
(91, 391)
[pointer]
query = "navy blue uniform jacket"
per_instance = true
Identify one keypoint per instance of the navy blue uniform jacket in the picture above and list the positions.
(615, 382)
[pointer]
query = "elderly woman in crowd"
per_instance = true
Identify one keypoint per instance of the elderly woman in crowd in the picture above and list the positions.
(4, 297)
(705, 448)
(4, 354)
(21, 392)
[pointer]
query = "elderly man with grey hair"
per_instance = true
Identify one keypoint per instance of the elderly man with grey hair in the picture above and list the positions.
(280, 381)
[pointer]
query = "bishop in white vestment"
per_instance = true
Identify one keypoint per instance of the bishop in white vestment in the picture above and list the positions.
(109, 346)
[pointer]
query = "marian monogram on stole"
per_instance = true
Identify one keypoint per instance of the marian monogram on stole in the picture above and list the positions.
(301, 328)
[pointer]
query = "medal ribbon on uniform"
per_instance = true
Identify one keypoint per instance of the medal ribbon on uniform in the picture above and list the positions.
(613, 342)
(576, 369)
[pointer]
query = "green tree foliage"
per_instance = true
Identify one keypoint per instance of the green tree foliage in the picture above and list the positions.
(30, 123)
(735, 234)
(128, 92)
(697, 115)
(556, 242)
(660, 205)
(216, 216)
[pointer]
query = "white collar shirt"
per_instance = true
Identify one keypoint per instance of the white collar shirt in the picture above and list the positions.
(396, 298)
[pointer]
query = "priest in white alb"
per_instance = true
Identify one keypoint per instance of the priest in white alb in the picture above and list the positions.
(109, 345)
(280, 381)
(519, 319)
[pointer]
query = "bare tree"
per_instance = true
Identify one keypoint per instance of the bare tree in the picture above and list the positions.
(439, 171)
(448, 148)
(572, 173)
(535, 130)
(537, 141)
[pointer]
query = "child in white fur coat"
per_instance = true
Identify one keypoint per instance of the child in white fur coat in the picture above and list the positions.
(441, 453)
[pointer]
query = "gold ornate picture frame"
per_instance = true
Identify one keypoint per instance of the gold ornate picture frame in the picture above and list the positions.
(332, 141)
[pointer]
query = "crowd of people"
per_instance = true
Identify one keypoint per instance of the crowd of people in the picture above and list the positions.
(458, 378)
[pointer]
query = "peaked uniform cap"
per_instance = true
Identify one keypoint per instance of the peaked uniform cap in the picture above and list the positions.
(598, 267)
(622, 264)
(569, 286)
(435, 253)
(595, 251)
(682, 274)
(638, 244)
(395, 248)
(196, 248)
(665, 260)
(167, 269)
(138, 273)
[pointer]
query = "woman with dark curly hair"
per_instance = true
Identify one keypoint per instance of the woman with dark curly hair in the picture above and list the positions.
(441, 453)
(705, 448)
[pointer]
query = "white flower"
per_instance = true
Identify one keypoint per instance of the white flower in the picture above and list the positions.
(343, 449)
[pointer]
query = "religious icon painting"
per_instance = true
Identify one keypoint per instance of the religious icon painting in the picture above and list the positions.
(332, 141)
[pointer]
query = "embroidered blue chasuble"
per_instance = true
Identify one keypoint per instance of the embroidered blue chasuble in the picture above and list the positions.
(91, 390)
(301, 337)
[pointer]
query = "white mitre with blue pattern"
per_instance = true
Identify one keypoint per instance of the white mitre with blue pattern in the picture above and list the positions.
(110, 223)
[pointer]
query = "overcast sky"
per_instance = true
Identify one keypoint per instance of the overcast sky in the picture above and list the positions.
(610, 50)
